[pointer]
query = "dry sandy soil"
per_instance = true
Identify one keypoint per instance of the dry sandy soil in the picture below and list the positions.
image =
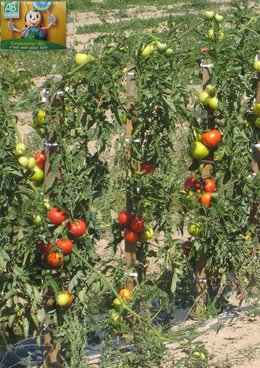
(237, 343)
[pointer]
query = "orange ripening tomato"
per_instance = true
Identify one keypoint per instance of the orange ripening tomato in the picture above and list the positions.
(55, 259)
(206, 199)
(125, 294)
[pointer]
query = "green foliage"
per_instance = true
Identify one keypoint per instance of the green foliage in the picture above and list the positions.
(87, 181)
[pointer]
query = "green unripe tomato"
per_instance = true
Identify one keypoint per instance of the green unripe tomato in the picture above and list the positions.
(194, 230)
(115, 318)
(209, 14)
(211, 33)
(81, 58)
(40, 117)
(213, 103)
(148, 50)
(62, 299)
(117, 304)
(161, 46)
(219, 18)
(221, 35)
(204, 97)
(256, 65)
(46, 204)
(256, 109)
(257, 122)
(31, 163)
(37, 219)
(20, 149)
(38, 174)
(147, 234)
(23, 161)
(169, 52)
(211, 90)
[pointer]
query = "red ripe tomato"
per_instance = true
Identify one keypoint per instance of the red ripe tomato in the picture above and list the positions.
(205, 199)
(65, 245)
(137, 224)
(125, 294)
(56, 216)
(209, 185)
(204, 49)
(77, 227)
(55, 259)
(189, 182)
(130, 236)
(147, 168)
(211, 138)
(125, 218)
(40, 158)
(44, 248)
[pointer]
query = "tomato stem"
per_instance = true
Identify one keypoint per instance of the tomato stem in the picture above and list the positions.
(106, 282)
(18, 134)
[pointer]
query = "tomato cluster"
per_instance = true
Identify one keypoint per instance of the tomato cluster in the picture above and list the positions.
(135, 230)
(204, 143)
(207, 185)
(54, 254)
(117, 314)
(33, 165)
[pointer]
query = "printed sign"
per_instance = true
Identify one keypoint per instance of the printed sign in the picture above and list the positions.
(11, 9)
(33, 25)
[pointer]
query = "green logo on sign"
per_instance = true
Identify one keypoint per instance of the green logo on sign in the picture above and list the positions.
(11, 9)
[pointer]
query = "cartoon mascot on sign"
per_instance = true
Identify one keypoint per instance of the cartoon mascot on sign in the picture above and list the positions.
(33, 28)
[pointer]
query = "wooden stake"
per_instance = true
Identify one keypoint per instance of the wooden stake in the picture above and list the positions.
(201, 277)
(51, 350)
(130, 248)
(254, 213)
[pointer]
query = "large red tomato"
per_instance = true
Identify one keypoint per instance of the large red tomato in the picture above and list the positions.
(77, 227)
(209, 185)
(65, 245)
(205, 199)
(131, 236)
(124, 218)
(56, 216)
(137, 224)
(55, 259)
(40, 158)
(211, 138)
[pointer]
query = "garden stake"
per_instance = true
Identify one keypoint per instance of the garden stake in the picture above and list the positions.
(130, 248)
(201, 277)
(51, 351)
(254, 213)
